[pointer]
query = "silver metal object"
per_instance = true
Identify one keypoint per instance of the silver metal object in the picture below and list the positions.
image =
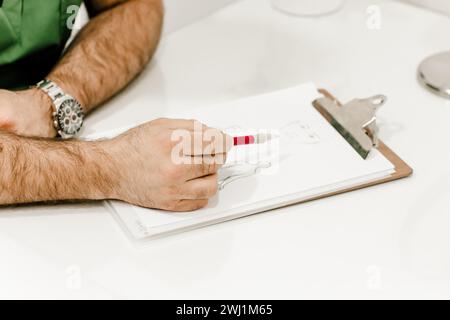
(356, 121)
(68, 113)
(434, 74)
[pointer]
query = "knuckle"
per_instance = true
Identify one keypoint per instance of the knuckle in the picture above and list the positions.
(190, 123)
(197, 125)
(160, 121)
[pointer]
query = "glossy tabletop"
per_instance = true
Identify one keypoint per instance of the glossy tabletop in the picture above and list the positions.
(390, 241)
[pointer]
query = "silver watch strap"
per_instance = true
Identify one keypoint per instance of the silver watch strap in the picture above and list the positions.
(52, 89)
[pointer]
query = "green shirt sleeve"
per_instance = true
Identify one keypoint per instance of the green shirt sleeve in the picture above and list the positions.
(33, 35)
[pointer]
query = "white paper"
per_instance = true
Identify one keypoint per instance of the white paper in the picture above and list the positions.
(309, 158)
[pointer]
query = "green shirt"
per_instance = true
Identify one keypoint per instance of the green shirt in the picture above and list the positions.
(33, 34)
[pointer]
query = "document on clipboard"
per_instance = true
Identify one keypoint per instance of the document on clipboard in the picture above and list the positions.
(310, 160)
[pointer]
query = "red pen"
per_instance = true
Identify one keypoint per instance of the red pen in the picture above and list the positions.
(248, 140)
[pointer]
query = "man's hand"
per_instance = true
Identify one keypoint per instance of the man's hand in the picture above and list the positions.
(26, 113)
(152, 174)
(141, 167)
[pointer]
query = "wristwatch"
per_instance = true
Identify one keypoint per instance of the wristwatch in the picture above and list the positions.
(68, 113)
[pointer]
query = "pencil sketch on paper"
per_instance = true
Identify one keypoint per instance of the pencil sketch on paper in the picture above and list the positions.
(299, 132)
(249, 164)
(234, 172)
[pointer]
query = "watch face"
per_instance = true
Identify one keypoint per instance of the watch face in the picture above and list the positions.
(70, 117)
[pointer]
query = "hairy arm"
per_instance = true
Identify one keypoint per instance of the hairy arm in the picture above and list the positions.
(36, 170)
(111, 50)
(137, 167)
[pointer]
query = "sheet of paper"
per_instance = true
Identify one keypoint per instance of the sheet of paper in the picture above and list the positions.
(308, 158)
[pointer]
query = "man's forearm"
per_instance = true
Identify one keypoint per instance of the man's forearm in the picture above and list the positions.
(137, 167)
(110, 51)
(36, 170)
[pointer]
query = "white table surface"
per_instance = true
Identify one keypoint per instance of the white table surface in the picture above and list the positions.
(390, 241)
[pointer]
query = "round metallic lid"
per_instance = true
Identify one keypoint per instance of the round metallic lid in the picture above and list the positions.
(434, 74)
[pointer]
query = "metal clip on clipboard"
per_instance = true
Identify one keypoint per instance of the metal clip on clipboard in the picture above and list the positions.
(356, 121)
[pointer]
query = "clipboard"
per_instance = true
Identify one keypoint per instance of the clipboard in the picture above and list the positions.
(139, 232)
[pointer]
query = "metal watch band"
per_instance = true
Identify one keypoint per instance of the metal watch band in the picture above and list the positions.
(52, 89)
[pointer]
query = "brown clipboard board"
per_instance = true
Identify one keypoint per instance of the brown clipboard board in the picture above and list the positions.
(402, 169)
